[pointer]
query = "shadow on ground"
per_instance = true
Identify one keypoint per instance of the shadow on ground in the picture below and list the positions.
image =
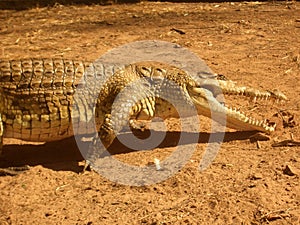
(65, 155)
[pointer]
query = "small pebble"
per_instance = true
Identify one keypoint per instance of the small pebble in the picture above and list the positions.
(290, 170)
(157, 164)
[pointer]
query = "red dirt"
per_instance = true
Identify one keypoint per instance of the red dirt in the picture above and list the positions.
(256, 44)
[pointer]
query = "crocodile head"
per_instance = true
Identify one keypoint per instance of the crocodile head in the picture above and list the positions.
(202, 93)
(144, 90)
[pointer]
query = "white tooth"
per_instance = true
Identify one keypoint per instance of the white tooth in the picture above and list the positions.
(250, 120)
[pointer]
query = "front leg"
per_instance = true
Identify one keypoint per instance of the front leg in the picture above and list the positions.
(113, 123)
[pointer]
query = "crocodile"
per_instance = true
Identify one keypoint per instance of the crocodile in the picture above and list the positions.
(37, 98)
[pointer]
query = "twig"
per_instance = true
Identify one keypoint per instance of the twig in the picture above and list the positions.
(286, 143)
(279, 214)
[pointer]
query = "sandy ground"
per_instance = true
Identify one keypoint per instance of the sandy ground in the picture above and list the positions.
(255, 44)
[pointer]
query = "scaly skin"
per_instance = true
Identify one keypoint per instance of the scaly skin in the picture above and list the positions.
(37, 95)
(182, 89)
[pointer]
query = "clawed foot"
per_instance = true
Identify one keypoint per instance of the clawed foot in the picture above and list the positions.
(135, 125)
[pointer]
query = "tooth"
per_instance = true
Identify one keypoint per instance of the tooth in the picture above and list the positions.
(250, 120)
(271, 128)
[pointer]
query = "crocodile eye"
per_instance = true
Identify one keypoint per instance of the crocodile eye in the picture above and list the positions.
(145, 71)
(160, 71)
(146, 68)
